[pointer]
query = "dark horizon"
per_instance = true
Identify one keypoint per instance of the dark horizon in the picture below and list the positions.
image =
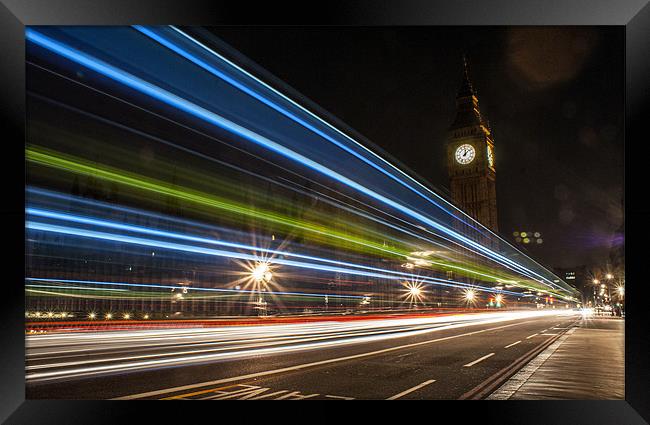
(553, 97)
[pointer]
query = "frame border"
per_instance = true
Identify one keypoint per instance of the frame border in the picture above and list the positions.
(633, 14)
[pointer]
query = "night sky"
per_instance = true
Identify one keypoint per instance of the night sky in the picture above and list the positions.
(553, 97)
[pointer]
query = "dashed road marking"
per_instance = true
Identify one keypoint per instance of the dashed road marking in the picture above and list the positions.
(530, 336)
(512, 345)
(410, 390)
(478, 360)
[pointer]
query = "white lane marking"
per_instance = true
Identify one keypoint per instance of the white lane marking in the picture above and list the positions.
(478, 360)
(548, 334)
(339, 397)
(410, 390)
(247, 390)
(513, 344)
(306, 365)
(295, 395)
(268, 395)
(530, 336)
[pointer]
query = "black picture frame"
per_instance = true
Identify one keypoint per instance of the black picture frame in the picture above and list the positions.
(634, 15)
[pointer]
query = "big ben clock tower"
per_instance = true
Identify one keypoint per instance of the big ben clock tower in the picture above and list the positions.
(470, 158)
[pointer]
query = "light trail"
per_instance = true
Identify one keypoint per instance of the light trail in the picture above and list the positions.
(194, 288)
(151, 32)
(182, 104)
(275, 218)
(38, 212)
(323, 197)
(169, 44)
(45, 352)
(242, 174)
(190, 238)
(385, 274)
(200, 198)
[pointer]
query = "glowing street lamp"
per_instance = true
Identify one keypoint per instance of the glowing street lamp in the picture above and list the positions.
(469, 295)
(415, 291)
(262, 272)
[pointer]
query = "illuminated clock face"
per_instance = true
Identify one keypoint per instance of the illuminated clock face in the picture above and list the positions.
(465, 154)
(490, 156)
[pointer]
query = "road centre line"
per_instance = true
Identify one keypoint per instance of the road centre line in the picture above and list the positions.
(410, 390)
(478, 360)
(307, 365)
(530, 336)
(512, 345)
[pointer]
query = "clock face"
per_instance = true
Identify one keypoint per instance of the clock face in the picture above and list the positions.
(465, 154)
(490, 156)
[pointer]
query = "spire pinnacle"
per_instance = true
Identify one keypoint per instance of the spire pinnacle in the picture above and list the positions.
(466, 88)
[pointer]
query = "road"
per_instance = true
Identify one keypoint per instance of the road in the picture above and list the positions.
(415, 358)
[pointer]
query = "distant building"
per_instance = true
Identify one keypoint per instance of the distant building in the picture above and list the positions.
(577, 277)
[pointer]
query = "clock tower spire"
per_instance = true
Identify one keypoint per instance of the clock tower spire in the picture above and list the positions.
(470, 157)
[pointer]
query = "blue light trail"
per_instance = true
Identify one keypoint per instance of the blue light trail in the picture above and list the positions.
(189, 107)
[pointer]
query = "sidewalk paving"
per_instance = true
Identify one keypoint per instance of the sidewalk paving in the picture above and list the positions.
(586, 363)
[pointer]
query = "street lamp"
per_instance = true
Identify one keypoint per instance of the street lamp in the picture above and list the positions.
(470, 295)
(415, 291)
(262, 272)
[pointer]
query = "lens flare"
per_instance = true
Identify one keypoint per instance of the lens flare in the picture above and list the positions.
(469, 295)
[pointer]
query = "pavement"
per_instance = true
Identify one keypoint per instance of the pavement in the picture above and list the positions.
(586, 363)
(436, 358)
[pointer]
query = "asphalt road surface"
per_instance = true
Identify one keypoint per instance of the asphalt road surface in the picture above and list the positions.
(422, 358)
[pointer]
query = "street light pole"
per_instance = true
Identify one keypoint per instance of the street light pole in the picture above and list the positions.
(609, 292)
(595, 283)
